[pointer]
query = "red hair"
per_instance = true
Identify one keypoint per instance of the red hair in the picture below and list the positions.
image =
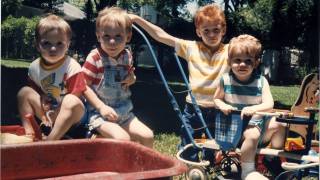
(211, 13)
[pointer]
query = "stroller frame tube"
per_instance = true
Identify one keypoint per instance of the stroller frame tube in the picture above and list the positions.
(172, 99)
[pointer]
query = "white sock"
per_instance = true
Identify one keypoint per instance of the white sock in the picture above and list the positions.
(246, 168)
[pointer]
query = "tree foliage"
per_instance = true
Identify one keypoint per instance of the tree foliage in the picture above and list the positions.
(9, 7)
(17, 37)
(252, 18)
(291, 23)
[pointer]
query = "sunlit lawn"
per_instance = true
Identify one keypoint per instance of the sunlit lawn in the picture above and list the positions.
(13, 63)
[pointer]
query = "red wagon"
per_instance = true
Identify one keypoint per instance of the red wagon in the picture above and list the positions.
(86, 159)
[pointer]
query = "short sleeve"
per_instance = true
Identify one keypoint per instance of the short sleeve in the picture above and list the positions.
(76, 83)
(90, 68)
(75, 78)
(181, 48)
(221, 83)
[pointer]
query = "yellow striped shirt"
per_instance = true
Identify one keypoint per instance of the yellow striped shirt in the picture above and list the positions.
(205, 69)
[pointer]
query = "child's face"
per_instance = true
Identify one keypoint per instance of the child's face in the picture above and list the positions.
(242, 66)
(53, 46)
(211, 33)
(112, 38)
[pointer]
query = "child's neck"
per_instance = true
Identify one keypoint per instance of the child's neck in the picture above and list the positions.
(213, 49)
(47, 66)
(245, 80)
(107, 55)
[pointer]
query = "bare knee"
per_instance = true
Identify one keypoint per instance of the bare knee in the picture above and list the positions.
(25, 93)
(252, 134)
(276, 126)
(71, 101)
(148, 136)
(114, 131)
(28, 101)
(122, 136)
(72, 107)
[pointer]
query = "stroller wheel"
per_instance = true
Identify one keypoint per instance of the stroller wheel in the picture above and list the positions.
(231, 167)
(196, 173)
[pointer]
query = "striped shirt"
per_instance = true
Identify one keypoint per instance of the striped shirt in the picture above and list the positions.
(240, 94)
(106, 75)
(94, 68)
(205, 69)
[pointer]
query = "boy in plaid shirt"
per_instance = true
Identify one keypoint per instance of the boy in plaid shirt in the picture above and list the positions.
(246, 90)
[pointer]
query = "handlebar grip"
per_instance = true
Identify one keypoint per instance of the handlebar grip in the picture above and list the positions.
(36, 128)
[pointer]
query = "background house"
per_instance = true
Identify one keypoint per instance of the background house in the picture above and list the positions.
(69, 12)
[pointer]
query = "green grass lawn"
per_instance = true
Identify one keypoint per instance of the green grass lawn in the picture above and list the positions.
(15, 63)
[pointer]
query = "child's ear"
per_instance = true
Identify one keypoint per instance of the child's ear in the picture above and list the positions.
(98, 37)
(129, 36)
(198, 32)
(257, 62)
(68, 43)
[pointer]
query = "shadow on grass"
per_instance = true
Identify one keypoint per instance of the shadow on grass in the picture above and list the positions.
(151, 102)
(279, 105)
(12, 79)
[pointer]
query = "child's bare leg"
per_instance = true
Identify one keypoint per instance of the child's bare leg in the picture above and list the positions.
(71, 112)
(28, 103)
(275, 133)
(249, 146)
(248, 152)
(113, 130)
(140, 132)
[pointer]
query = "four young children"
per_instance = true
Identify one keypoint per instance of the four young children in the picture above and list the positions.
(58, 84)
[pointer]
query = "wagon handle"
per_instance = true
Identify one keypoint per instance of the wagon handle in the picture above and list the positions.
(37, 132)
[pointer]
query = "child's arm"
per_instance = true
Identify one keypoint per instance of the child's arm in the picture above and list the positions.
(219, 103)
(154, 31)
(267, 101)
(105, 111)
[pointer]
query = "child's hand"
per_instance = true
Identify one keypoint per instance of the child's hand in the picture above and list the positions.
(226, 109)
(248, 111)
(132, 16)
(108, 113)
(129, 80)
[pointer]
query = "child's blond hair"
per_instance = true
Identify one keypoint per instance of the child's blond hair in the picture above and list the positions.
(210, 13)
(116, 15)
(52, 22)
(244, 44)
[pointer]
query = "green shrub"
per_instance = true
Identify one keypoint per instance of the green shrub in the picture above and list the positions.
(17, 37)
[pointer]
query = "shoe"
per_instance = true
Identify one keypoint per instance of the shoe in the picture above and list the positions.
(255, 175)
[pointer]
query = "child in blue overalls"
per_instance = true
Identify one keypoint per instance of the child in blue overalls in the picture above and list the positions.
(109, 71)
